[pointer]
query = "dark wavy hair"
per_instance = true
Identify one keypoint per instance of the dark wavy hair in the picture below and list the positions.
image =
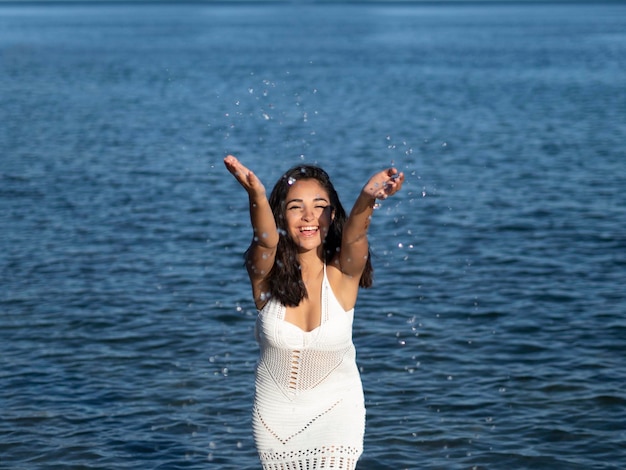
(285, 278)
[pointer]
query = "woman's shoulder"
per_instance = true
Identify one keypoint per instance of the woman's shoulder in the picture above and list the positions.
(344, 286)
(260, 293)
(267, 304)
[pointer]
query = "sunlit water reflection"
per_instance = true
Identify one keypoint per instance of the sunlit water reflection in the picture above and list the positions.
(494, 336)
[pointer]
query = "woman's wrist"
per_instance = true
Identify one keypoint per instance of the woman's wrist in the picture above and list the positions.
(366, 198)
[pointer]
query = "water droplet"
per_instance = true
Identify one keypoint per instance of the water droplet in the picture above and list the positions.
(400, 245)
(291, 180)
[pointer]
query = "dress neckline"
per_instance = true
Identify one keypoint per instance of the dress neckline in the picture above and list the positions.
(323, 307)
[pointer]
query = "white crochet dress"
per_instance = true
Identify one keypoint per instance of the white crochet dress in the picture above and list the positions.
(309, 412)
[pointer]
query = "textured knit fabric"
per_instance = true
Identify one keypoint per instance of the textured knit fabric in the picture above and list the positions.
(308, 411)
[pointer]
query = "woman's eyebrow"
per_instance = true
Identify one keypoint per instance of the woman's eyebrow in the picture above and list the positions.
(320, 198)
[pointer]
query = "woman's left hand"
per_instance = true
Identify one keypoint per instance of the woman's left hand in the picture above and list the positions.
(384, 184)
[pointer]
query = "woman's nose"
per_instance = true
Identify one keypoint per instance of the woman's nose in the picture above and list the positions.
(307, 214)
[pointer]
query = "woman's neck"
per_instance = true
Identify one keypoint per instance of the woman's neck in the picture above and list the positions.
(311, 263)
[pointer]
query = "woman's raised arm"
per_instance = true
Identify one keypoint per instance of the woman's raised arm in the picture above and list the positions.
(262, 252)
(354, 244)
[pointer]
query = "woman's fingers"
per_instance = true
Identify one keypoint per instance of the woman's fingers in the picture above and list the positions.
(394, 183)
(234, 166)
(385, 184)
(237, 169)
(246, 177)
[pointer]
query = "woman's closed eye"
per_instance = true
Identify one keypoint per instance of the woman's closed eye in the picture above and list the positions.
(296, 207)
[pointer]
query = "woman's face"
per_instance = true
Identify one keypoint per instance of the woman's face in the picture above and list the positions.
(308, 213)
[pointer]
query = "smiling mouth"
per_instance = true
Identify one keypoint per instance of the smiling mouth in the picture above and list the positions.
(309, 230)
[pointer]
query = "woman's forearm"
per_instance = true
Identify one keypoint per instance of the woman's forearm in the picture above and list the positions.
(263, 224)
(355, 228)
(354, 243)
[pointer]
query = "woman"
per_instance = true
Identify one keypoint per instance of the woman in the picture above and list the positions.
(306, 263)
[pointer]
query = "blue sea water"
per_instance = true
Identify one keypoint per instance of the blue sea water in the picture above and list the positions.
(495, 335)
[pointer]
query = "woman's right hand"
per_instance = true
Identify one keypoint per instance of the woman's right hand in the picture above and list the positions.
(250, 182)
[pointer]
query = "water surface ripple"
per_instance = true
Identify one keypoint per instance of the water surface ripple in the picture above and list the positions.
(494, 336)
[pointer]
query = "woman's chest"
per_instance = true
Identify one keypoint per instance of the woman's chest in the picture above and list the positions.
(332, 332)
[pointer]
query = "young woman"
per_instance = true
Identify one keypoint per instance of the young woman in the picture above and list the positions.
(306, 263)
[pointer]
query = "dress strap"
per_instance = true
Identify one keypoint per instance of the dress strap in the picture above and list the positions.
(325, 289)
